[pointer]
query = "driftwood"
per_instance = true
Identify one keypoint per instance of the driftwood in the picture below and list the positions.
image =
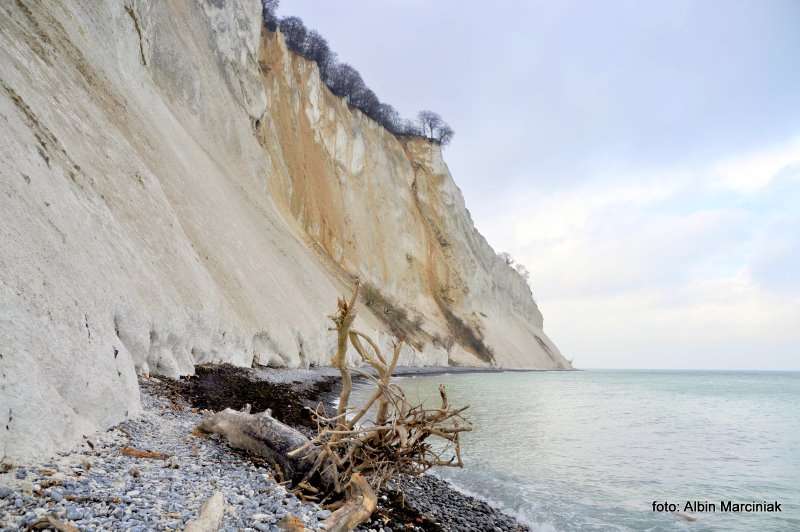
(265, 436)
(141, 453)
(50, 522)
(360, 503)
(398, 439)
(212, 511)
(352, 456)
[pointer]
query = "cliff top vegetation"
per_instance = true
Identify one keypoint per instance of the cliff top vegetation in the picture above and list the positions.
(345, 81)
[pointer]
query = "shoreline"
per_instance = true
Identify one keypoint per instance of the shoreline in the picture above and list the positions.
(406, 371)
(95, 486)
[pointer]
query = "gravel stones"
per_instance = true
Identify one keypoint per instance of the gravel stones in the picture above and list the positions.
(430, 503)
(99, 488)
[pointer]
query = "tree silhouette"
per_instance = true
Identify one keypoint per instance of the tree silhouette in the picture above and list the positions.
(430, 122)
(434, 128)
(316, 48)
(295, 33)
(344, 80)
(444, 135)
(268, 12)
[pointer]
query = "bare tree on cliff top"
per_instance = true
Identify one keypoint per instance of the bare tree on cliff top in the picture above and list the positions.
(269, 9)
(350, 459)
(344, 80)
(389, 117)
(317, 49)
(444, 135)
(430, 122)
(434, 127)
(294, 32)
(367, 101)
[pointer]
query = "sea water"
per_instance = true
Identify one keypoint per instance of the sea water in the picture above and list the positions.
(597, 450)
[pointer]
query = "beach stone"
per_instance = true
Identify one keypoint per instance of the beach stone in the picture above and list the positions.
(26, 487)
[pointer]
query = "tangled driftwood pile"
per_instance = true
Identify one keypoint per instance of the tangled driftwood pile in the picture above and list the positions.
(352, 455)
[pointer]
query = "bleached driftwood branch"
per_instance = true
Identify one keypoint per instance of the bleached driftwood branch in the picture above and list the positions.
(352, 455)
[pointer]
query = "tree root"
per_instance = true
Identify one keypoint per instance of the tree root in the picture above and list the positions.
(360, 503)
(352, 456)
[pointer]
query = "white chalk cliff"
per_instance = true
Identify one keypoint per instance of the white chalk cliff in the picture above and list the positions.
(177, 188)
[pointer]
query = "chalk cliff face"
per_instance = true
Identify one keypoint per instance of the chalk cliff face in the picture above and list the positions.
(177, 188)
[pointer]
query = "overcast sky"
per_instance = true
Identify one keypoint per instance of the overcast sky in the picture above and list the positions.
(642, 159)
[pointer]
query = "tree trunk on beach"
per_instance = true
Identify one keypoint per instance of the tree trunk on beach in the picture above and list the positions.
(265, 436)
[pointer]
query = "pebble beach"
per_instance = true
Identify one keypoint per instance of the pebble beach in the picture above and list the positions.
(98, 487)
(154, 473)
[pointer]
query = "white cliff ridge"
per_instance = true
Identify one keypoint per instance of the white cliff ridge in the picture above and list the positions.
(177, 188)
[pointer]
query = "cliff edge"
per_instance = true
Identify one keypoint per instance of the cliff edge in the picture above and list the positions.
(176, 188)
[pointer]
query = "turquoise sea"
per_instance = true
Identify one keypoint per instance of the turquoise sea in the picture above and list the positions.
(592, 450)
